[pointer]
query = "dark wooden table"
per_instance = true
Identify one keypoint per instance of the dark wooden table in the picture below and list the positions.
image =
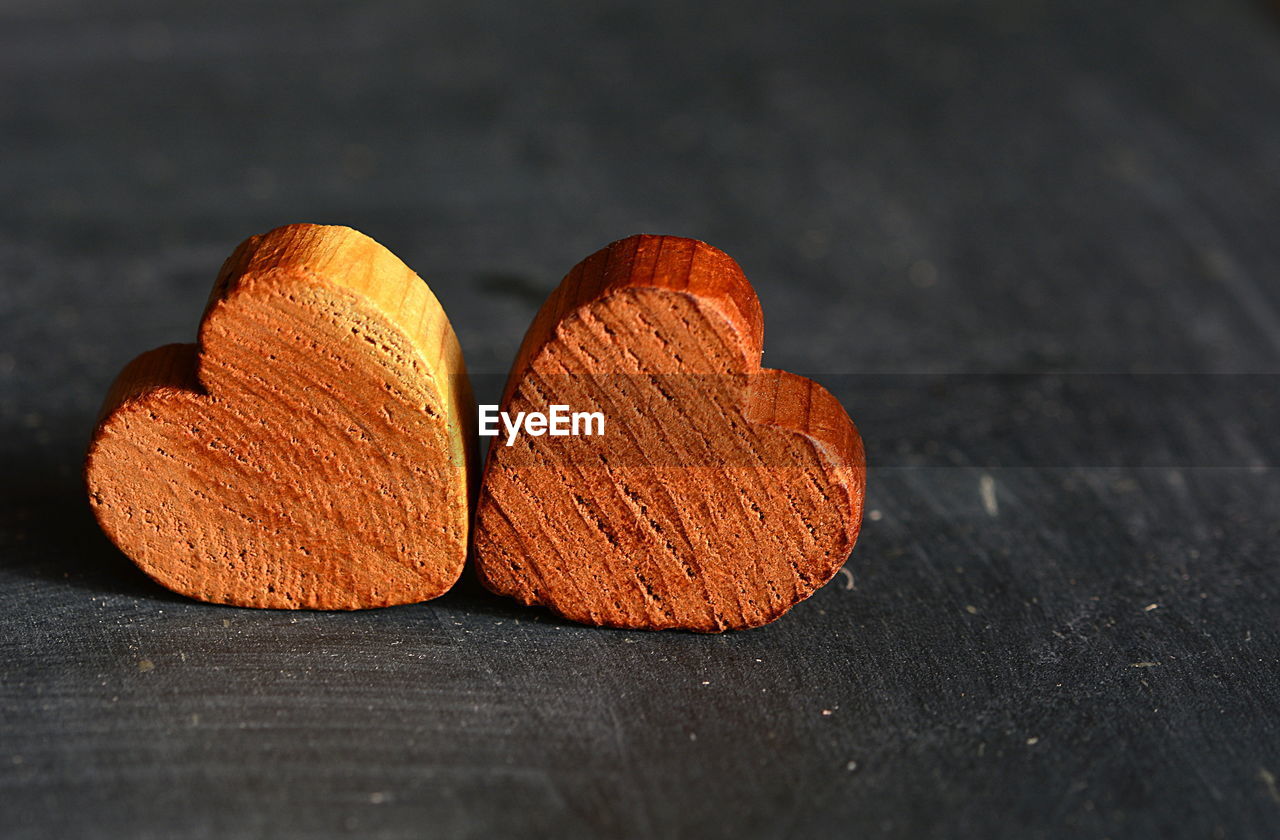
(1034, 247)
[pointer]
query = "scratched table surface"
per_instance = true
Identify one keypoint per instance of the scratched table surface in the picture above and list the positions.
(1031, 246)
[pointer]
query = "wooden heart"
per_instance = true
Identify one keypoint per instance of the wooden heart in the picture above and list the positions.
(720, 493)
(311, 451)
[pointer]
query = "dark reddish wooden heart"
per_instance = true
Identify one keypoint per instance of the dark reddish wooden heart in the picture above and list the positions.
(721, 493)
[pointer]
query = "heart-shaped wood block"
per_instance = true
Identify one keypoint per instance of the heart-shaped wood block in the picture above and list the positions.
(720, 493)
(311, 451)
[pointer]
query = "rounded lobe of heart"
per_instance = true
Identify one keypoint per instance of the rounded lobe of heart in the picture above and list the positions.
(720, 495)
(299, 457)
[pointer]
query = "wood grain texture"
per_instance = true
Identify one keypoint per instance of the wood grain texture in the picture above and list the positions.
(1094, 187)
(311, 451)
(721, 493)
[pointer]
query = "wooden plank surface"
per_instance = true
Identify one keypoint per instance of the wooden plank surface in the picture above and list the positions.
(1031, 246)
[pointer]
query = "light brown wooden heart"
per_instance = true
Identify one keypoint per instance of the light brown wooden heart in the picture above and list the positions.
(311, 451)
(720, 494)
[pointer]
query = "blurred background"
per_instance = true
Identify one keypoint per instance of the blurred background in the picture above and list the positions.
(949, 210)
(925, 186)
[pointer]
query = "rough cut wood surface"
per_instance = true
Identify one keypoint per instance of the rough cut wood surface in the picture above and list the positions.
(311, 451)
(720, 494)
